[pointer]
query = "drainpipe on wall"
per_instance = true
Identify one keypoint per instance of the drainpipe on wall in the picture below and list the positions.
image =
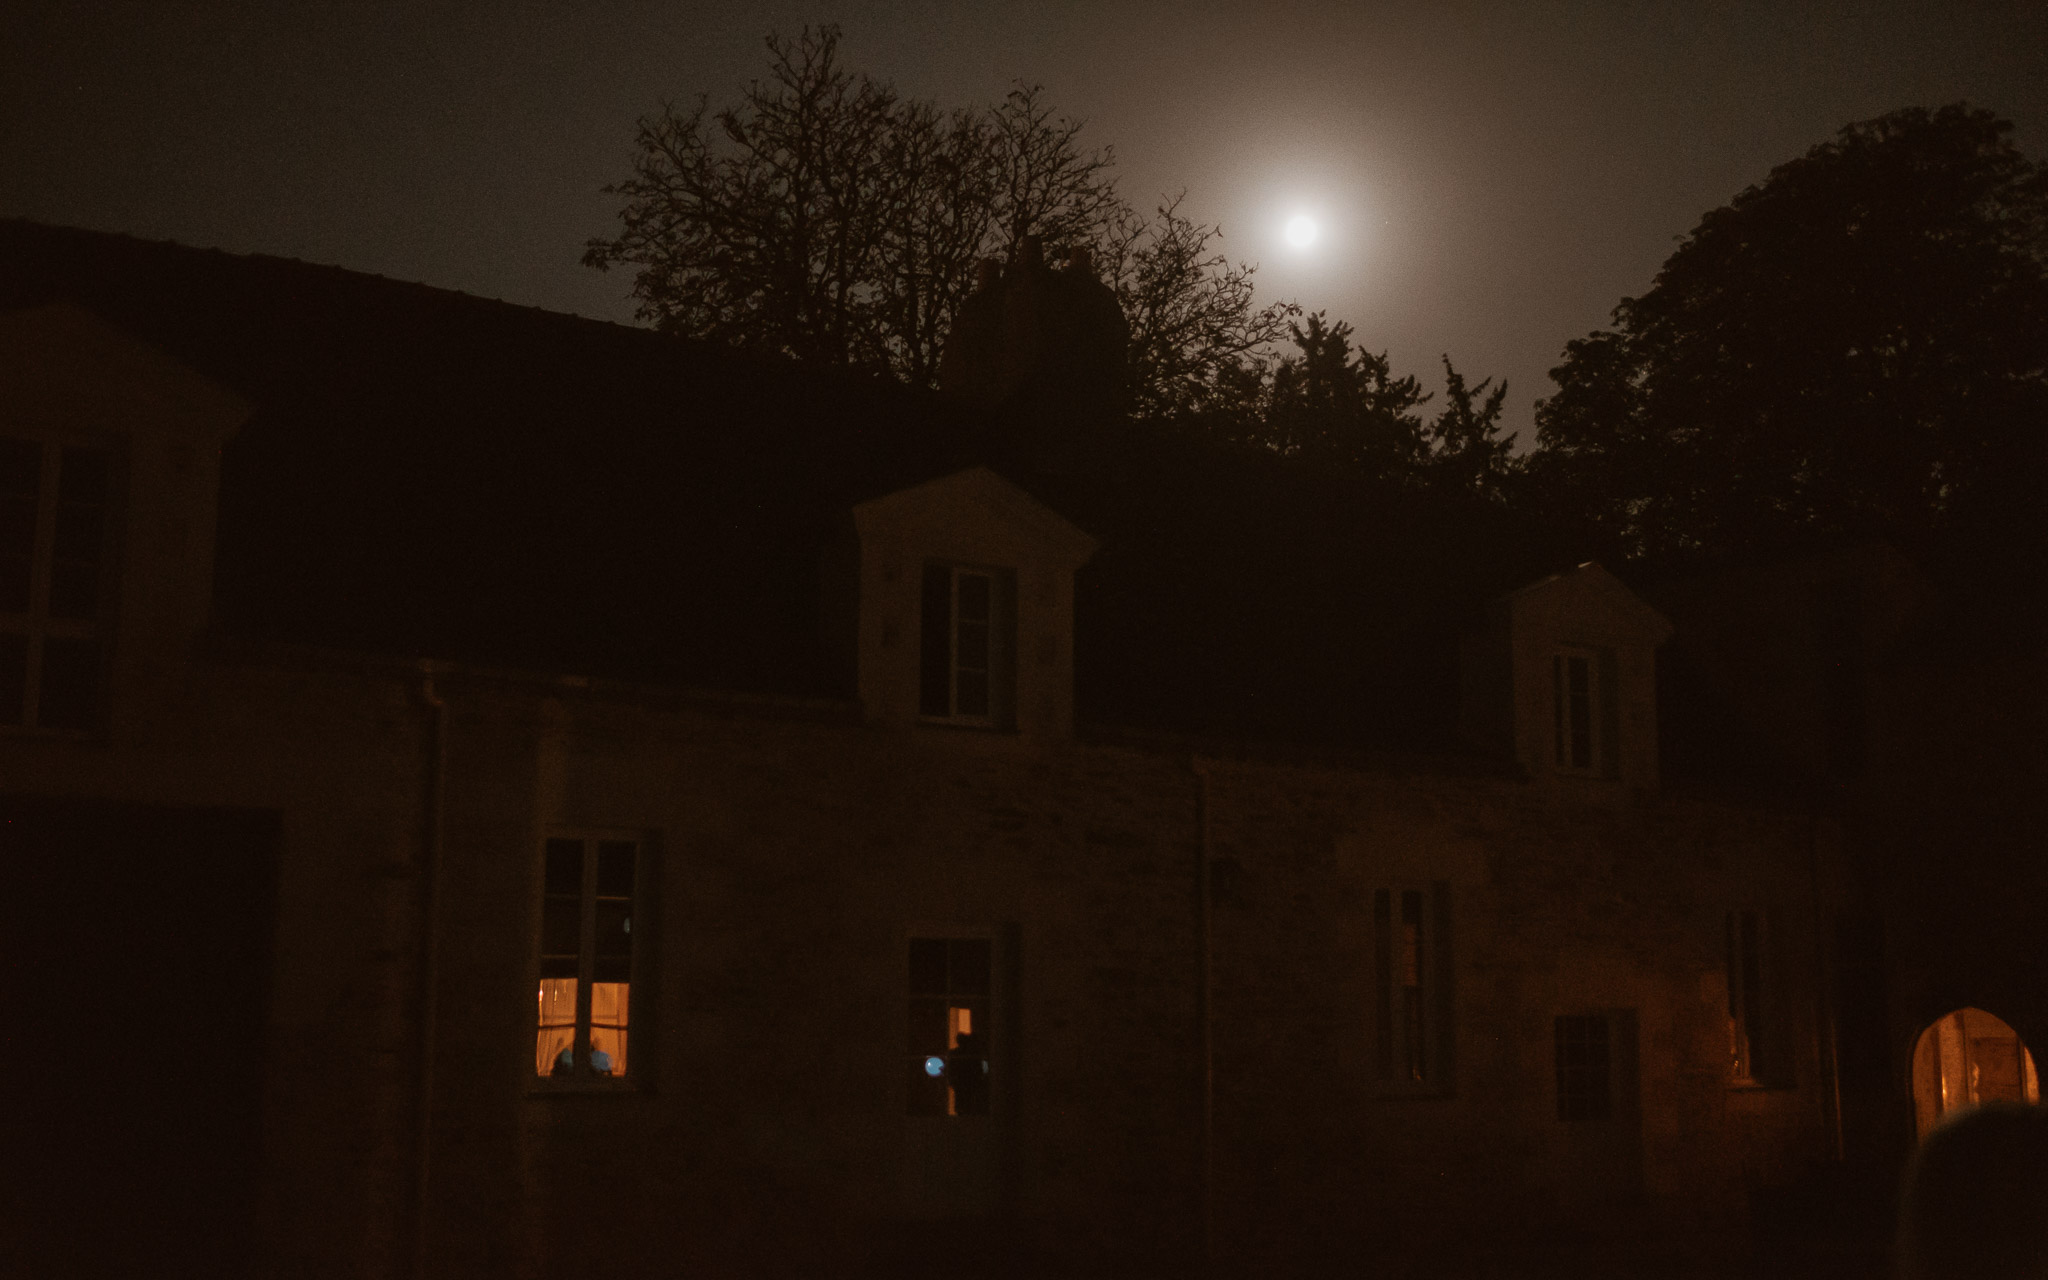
(1205, 1164)
(432, 807)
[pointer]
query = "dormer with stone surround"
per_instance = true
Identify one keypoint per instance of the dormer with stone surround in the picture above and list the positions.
(109, 466)
(1562, 677)
(966, 608)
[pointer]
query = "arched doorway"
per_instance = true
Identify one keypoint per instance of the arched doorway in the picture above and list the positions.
(1967, 1057)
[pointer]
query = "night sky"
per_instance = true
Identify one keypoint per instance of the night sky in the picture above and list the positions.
(1491, 178)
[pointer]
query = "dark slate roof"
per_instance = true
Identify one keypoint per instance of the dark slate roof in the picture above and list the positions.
(437, 474)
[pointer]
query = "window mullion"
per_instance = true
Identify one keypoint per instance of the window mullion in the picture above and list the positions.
(42, 556)
(953, 644)
(586, 959)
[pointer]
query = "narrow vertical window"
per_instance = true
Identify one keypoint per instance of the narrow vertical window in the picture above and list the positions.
(1411, 1008)
(966, 634)
(1414, 1063)
(1572, 710)
(1585, 1071)
(1748, 1041)
(53, 532)
(586, 960)
(949, 1026)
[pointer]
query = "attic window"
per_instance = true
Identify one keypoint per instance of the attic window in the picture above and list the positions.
(1571, 680)
(967, 638)
(53, 533)
(1585, 712)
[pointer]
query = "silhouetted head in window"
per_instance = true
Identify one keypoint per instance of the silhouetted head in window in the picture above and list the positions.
(1976, 1202)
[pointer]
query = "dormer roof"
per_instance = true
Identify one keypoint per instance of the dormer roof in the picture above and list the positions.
(1592, 593)
(62, 367)
(942, 500)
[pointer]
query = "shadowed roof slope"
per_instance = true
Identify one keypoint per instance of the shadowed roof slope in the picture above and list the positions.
(431, 473)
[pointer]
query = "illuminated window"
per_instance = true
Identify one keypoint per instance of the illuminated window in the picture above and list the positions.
(1748, 1040)
(1412, 987)
(966, 644)
(586, 959)
(53, 535)
(1585, 1068)
(949, 1026)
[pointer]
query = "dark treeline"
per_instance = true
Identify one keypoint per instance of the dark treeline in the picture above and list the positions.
(1855, 348)
(826, 218)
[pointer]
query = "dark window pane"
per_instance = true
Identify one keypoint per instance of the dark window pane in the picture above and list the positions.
(614, 928)
(968, 1074)
(612, 968)
(13, 676)
(927, 1026)
(71, 684)
(928, 966)
(79, 526)
(1412, 1065)
(970, 966)
(21, 467)
(561, 926)
(74, 589)
(565, 867)
(1583, 1085)
(17, 551)
(973, 696)
(558, 966)
(935, 643)
(17, 524)
(1582, 713)
(972, 653)
(1557, 704)
(615, 869)
(1383, 997)
(1752, 987)
(974, 597)
(83, 476)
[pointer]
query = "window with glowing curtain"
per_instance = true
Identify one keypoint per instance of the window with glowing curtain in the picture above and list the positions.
(586, 959)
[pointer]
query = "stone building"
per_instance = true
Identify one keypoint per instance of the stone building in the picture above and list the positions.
(493, 793)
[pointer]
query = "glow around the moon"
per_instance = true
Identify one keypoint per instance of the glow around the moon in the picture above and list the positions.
(1302, 231)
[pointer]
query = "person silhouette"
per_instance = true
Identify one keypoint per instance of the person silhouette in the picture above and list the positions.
(1976, 1198)
(565, 1061)
(967, 1073)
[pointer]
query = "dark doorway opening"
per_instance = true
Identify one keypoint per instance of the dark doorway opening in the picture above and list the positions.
(135, 949)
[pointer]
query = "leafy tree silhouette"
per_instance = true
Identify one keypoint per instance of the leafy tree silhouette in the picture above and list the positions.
(1855, 347)
(827, 218)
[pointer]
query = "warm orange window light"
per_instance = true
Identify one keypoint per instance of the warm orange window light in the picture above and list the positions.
(586, 962)
(1967, 1057)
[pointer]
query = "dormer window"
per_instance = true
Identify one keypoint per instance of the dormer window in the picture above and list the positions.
(53, 533)
(1585, 712)
(942, 570)
(1573, 698)
(967, 636)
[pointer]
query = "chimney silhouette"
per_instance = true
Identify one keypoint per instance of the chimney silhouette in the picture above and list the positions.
(1040, 343)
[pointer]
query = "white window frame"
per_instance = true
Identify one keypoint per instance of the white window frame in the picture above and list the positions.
(37, 626)
(999, 672)
(1565, 738)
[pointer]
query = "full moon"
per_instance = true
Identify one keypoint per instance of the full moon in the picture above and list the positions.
(1301, 231)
